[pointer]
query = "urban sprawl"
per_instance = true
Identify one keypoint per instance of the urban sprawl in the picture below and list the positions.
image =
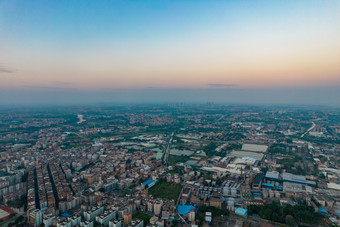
(169, 165)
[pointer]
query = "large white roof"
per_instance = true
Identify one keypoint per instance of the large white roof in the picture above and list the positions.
(241, 154)
(332, 185)
(254, 147)
(272, 174)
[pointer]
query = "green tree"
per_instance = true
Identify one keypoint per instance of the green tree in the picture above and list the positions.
(290, 220)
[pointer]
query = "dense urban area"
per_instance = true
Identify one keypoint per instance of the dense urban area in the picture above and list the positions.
(169, 165)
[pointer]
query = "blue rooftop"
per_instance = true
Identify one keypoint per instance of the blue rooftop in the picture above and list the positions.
(65, 215)
(323, 211)
(241, 211)
(267, 185)
(184, 209)
(148, 182)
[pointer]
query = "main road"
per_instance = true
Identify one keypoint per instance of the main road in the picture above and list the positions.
(167, 150)
(310, 129)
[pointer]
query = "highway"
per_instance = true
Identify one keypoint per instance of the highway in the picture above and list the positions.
(167, 150)
(310, 129)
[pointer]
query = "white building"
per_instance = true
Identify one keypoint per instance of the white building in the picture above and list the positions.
(64, 223)
(191, 215)
(86, 224)
(91, 214)
(137, 223)
(106, 217)
(115, 223)
(75, 220)
(158, 207)
(48, 220)
(208, 216)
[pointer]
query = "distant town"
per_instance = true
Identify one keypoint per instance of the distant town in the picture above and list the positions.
(169, 165)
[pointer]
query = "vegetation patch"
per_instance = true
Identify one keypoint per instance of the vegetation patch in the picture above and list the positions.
(165, 190)
(174, 159)
(289, 214)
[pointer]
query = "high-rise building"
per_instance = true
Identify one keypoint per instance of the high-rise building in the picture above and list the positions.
(115, 223)
(91, 214)
(191, 215)
(35, 217)
(158, 207)
(127, 218)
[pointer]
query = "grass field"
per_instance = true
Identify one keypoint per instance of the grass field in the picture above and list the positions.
(165, 190)
(174, 159)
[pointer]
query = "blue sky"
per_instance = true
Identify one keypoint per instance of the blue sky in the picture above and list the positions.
(133, 45)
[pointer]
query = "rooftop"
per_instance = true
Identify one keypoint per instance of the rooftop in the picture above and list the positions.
(148, 182)
(272, 175)
(254, 147)
(184, 209)
(241, 211)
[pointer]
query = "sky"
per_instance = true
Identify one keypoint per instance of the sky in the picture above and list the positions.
(170, 51)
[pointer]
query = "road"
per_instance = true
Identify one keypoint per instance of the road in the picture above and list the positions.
(180, 217)
(221, 118)
(310, 129)
(167, 150)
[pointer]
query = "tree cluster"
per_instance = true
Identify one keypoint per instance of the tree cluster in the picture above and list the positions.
(286, 214)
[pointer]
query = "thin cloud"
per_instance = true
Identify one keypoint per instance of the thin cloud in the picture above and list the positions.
(51, 88)
(150, 87)
(62, 83)
(6, 70)
(221, 85)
